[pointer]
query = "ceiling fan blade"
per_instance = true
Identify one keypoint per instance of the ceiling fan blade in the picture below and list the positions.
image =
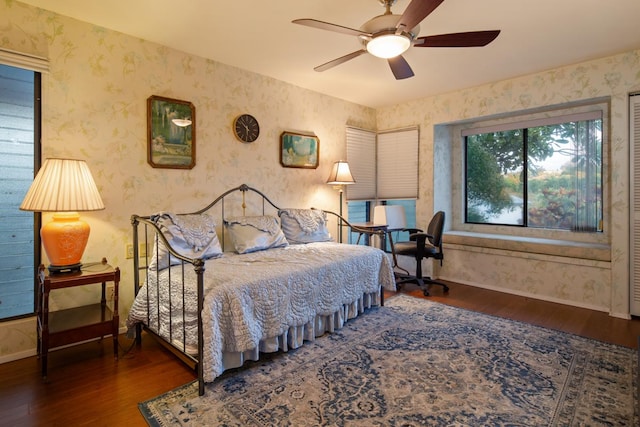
(339, 61)
(400, 67)
(469, 39)
(330, 27)
(416, 12)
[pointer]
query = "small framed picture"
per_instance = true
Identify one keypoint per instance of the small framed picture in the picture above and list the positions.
(299, 150)
(171, 133)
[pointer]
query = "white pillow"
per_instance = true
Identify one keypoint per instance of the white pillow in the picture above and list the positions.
(193, 236)
(255, 233)
(304, 225)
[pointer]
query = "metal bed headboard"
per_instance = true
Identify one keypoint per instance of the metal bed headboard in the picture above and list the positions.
(198, 265)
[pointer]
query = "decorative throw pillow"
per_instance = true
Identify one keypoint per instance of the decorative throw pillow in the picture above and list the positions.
(304, 225)
(255, 233)
(192, 236)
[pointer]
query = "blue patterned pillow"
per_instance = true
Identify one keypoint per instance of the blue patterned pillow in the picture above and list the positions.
(255, 233)
(304, 225)
(193, 236)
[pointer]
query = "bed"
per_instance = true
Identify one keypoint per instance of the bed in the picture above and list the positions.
(220, 286)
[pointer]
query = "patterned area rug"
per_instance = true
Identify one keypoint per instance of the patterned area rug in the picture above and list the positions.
(420, 363)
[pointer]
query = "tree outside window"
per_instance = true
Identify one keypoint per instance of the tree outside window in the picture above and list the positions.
(543, 176)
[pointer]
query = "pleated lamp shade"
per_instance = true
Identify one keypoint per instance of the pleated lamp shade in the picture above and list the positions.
(66, 187)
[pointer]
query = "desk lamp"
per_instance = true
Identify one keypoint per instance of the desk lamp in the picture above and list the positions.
(392, 216)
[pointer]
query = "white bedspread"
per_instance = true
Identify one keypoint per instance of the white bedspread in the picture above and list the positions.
(267, 301)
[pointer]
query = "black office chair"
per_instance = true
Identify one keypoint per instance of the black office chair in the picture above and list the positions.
(422, 245)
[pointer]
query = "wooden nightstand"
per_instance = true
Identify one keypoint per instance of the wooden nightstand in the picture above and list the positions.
(63, 327)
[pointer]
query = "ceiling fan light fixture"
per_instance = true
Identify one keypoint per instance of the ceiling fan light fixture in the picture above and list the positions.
(388, 45)
(388, 36)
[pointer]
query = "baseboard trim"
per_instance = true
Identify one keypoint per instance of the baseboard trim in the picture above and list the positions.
(32, 351)
(17, 356)
(538, 297)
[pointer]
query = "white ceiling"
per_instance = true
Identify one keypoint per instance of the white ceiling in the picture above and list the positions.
(257, 35)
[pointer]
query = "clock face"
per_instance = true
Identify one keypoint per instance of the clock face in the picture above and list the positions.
(246, 128)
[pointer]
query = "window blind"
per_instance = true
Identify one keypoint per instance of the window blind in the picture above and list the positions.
(397, 162)
(634, 133)
(361, 155)
(18, 144)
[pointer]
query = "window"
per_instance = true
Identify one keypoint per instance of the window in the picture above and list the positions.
(385, 167)
(397, 164)
(544, 173)
(361, 155)
(19, 148)
(359, 211)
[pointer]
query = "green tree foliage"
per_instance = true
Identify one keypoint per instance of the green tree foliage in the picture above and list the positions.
(553, 208)
(495, 169)
(485, 184)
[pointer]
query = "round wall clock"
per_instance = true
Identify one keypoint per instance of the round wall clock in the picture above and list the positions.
(246, 128)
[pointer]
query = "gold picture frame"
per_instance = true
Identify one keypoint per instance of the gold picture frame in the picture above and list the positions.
(299, 150)
(171, 133)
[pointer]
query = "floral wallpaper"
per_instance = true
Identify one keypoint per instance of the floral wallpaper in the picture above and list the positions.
(582, 277)
(94, 108)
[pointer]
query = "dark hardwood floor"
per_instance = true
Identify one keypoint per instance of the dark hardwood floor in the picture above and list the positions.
(87, 387)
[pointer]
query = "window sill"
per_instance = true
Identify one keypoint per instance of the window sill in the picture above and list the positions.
(530, 245)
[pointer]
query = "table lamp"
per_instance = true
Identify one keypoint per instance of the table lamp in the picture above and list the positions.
(65, 187)
(392, 216)
(339, 177)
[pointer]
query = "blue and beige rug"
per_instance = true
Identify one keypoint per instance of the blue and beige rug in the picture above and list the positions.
(420, 363)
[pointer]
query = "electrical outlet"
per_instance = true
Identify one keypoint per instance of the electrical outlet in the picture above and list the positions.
(128, 250)
(111, 292)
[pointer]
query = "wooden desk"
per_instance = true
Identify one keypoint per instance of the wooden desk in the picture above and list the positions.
(63, 327)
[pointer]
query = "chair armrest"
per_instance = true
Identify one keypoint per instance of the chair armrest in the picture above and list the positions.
(411, 230)
(420, 238)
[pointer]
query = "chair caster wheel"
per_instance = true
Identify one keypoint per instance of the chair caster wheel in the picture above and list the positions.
(425, 293)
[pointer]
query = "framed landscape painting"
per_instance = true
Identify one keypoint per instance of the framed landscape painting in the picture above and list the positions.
(171, 133)
(299, 150)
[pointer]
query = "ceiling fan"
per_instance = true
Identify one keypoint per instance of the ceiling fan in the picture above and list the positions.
(388, 36)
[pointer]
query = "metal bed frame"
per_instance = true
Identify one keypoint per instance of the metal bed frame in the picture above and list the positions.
(150, 231)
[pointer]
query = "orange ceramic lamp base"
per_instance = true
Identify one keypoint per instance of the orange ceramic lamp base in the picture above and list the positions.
(64, 240)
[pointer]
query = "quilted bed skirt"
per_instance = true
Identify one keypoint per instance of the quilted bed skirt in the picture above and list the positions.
(295, 336)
